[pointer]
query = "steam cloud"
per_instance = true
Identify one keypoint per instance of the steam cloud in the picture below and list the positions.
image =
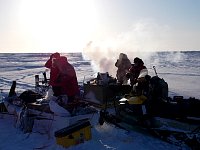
(141, 39)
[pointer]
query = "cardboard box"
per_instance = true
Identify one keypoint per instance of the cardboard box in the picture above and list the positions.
(101, 94)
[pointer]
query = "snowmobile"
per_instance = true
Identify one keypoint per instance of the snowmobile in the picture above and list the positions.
(148, 108)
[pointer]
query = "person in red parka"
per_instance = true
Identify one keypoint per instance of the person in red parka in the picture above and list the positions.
(67, 79)
(54, 71)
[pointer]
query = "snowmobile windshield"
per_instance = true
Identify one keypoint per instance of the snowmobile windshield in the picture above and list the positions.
(143, 73)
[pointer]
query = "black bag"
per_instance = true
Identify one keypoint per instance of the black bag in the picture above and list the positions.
(29, 96)
(159, 88)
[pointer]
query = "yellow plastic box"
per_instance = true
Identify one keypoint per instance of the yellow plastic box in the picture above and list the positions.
(74, 134)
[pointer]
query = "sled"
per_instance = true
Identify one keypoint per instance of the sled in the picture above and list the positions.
(32, 109)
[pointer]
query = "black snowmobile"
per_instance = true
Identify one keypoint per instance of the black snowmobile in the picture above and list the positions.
(149, 108)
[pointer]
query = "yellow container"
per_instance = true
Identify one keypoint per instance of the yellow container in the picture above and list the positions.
(74, 134)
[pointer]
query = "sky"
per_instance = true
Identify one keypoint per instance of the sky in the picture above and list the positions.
(72, 25)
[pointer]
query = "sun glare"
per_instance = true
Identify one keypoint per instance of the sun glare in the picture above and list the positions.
(64, 25)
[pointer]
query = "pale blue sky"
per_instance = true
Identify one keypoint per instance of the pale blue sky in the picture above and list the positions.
(68, 25)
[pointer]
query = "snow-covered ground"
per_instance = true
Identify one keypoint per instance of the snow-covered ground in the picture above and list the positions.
(180, 70)
(103, 137)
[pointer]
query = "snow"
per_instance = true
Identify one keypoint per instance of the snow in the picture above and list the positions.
(103, 137)
(107, 136)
